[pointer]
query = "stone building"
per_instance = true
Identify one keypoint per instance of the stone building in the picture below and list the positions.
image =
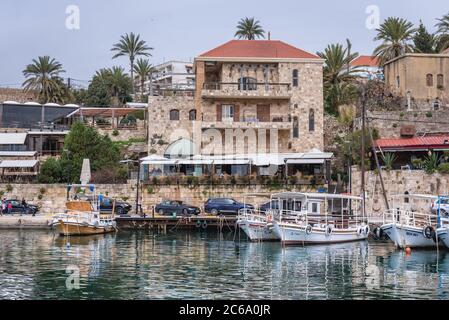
(422, 79)
(252, 98)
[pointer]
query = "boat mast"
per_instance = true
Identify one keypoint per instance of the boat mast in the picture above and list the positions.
(363, 105)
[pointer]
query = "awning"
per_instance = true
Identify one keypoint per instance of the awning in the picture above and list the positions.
(18, 164)
(305, 161)
(105, 112)
(197, 162)
(159, 162)
(13, 138)
(17, 153)
(231, 161)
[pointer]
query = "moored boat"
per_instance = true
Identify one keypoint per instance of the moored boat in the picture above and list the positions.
(319, 218)
(81, 217)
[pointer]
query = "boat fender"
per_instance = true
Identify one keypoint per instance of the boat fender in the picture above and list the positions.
(204, 225)
(379, 233)
(359, 231)
(308, 229)
(198, 224)
(427, 232)
(366, 230)
(328, 230)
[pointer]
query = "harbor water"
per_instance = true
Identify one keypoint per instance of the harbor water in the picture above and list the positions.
(208, 265)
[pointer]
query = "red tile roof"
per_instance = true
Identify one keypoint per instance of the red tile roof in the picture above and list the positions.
(257, 49)
(365, 61)
(429, 142)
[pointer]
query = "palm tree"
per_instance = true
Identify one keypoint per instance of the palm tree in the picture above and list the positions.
(338, 76)
(395, 34)
(43, 77)
(249, 29)
(443, 33)
(119, 84)
(130, 45)
(143, 69)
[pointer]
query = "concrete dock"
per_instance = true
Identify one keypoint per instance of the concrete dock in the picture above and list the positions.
(40, 221)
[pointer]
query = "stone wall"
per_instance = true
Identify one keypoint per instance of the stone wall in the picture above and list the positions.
(398, 183)
(9, 94)
(389, 123)
(53, 196)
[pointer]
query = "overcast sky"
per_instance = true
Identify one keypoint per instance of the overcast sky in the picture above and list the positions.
(181, 29)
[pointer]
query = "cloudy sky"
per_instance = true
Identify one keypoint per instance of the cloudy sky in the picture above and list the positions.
(182, 29)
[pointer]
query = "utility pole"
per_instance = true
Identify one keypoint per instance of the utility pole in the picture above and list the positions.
(363, 104)
(69, 83)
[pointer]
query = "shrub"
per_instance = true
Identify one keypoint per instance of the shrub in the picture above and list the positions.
(417, 163)
(125, 198)
(443, 168)
(150, 190)
(40, 197)
(42, 190)
(431, 163)
(155, 181)
(429, 114)
(51, 171)
(9, 188)
(293, 180)
(115, 133)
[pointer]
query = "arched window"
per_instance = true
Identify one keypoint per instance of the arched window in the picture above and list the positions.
(440, 81)
(174, 115)
(295, 127)
(295, 77)
(406, 197)
(429, 80)
(311, 120)
(247, 83)
(192, 115)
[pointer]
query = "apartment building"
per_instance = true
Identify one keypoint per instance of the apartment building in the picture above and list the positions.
(171, 76)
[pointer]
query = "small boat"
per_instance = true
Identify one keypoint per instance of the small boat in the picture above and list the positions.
(319, 218)
(411, 224)
(257, 224)
(81, 217)
(442, 219)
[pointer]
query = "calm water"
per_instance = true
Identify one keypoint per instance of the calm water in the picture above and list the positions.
(143, 265)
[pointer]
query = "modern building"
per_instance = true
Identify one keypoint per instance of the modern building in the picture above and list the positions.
(170, 76)
(422, 79)
(368, 67)
(257, 104)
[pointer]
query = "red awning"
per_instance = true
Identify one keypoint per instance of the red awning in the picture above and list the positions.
(416, 143)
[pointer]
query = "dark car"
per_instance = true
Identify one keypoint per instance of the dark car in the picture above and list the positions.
(121, 207)
(274, 204)
(217, 206)
(18, 208)
(168, 207)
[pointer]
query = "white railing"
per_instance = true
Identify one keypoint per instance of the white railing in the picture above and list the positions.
(409, 218)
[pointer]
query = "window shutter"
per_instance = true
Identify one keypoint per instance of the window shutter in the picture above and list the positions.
(219, 113)
(236, 113)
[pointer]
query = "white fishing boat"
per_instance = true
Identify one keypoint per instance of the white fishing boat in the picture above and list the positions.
(82, 217)
(257, 224)
(319, 218)
(441, 207)
(410, 223)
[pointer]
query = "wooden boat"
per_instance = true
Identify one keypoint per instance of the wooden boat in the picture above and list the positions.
(319, 218)
(82, 219)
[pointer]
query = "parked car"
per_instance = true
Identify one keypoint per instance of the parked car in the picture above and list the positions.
(168, 207)
(121, 207)
(18, 208)
(217, 206)
(273, 204)
(443, 207)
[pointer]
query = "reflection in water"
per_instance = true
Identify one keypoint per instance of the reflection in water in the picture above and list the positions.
(144, 265)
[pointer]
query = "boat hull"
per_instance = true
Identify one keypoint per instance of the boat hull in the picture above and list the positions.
(257, 230)
(297, 234)
(443, 236)
(407, 236)
(75, 229)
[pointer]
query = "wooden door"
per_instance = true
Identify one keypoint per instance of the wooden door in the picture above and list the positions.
(263, 113)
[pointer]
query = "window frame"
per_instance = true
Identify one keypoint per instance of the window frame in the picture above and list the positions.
(172, 112)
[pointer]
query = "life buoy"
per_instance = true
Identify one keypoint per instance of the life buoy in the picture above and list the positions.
(366, 230)
(427, 232)
(204, 225)
(308, 229)
(328, 230)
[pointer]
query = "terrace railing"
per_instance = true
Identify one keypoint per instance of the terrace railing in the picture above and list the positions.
(237, 89)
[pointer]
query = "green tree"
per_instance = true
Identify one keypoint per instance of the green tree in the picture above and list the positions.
(395, 34)
(443, 33)
(43, 77)
(84, 142)
(249, 29)
(132, 46)
(443, 24)
(424, 42)
(143, 69)
(50, 172)
(339, 78)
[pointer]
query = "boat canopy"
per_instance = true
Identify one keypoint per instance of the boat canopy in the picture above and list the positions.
(291, 195)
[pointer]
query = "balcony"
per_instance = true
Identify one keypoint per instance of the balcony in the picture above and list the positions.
(236, 90)
(277, 123)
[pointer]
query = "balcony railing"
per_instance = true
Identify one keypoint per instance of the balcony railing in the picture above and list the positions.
(246, 90)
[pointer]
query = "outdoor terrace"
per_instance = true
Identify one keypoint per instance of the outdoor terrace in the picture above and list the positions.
(235, 90)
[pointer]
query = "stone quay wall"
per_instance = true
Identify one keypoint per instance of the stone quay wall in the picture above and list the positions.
(396, 183)
(52, 197)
